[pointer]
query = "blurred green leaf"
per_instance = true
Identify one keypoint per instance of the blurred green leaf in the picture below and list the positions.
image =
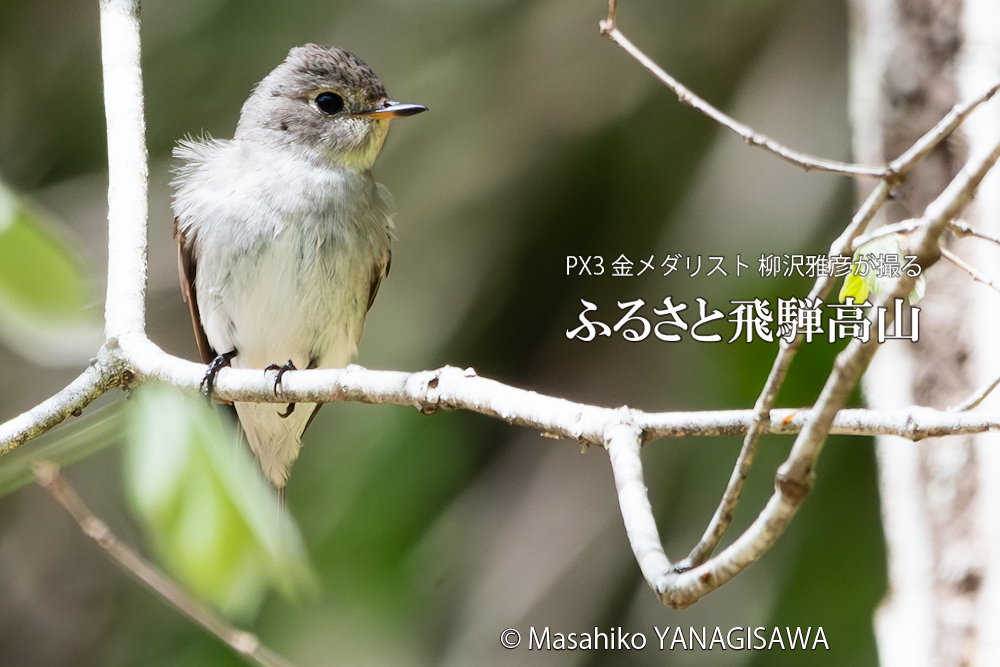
(209, 514)
(37, 272)
(43, 289)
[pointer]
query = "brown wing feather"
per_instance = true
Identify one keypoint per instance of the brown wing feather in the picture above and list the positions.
(187, 267)
(380, 271)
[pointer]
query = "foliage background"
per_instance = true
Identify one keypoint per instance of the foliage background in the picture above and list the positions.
(433, 534)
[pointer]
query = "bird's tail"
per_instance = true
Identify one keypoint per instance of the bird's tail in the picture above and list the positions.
(275, 439)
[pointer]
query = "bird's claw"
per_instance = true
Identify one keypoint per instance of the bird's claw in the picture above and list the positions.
(282, 369)
(224, 360)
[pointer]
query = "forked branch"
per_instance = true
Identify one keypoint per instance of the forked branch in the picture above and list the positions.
(845, 244)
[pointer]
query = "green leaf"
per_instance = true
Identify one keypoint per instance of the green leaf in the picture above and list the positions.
(44, 290)
(859, 286)
(209, 514)
(855, 286)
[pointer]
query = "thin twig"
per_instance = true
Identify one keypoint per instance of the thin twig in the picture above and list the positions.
(904, 227)
(978, 397)
(959, 227)
(852, 361)
(913, 423)
(962, 228)
(976, 274)
(609, 27)
(944, 127)
(748, 134)
(129, 560)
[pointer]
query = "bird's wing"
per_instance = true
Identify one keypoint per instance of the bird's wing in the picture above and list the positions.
(379, 271)
(186, 266)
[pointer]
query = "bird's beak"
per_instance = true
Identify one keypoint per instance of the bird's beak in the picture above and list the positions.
(394, 110)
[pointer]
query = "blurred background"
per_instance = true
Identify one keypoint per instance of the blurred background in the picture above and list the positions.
(432, 534)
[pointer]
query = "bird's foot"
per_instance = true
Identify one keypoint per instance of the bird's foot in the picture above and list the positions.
(222, 361)
(284, 368)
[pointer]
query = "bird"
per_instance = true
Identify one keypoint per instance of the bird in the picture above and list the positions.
(283, 234)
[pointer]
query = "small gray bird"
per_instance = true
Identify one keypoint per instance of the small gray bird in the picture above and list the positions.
(283, 234)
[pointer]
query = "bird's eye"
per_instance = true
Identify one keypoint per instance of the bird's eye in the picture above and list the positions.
(329, 103)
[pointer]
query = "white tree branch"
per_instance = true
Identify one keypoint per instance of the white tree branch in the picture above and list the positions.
(624, 441)
(124, 318)
(125, 307)
(90, 384)
(451, 388)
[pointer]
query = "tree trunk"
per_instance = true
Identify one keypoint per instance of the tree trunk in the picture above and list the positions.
(911, 61)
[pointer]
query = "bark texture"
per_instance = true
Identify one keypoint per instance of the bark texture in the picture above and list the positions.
(911, 60)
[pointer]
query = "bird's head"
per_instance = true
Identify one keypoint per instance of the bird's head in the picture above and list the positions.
(324, 101)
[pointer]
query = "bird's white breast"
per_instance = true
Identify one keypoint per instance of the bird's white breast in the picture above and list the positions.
(285, 250)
